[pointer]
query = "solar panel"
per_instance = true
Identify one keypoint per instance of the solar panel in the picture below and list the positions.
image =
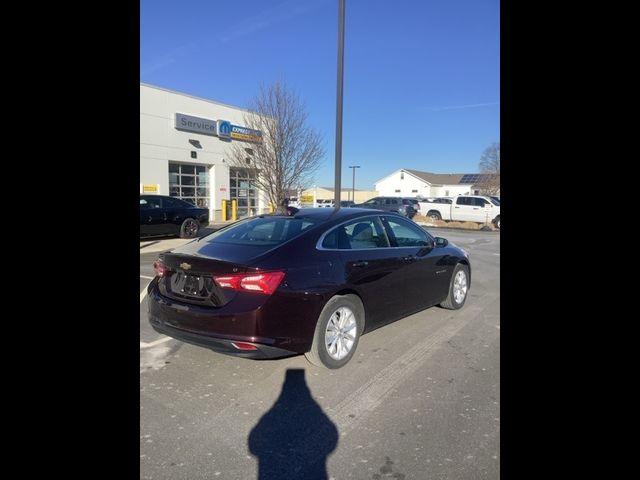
(470, 178)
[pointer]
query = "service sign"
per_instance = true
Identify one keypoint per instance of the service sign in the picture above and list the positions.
(195, 124)
(150, 188)
(223, 129)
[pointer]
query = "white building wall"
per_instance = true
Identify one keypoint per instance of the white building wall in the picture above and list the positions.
(449, 190)
(411, 186)
(405, 182)
(161, 143)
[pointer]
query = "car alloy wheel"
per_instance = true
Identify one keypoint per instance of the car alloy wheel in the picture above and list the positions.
(460, 286)
(340, 333)
(189, 228)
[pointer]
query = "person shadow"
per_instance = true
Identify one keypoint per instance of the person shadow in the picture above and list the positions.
(295, 437)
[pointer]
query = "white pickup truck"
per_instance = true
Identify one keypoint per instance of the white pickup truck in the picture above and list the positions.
(463, 208)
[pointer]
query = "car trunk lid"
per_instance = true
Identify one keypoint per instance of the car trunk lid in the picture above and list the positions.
(190, 279)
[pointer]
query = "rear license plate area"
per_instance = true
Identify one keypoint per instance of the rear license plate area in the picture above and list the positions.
(190, 285)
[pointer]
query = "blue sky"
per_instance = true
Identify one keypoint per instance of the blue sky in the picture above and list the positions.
(421, 77)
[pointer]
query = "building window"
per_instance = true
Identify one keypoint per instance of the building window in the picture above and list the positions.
(243, 189)
(446, 193)
(397, 191)
(414, 191)
(401, 175)
(189, 183)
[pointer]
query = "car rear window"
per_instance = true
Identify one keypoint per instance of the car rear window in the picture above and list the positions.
(267, 231)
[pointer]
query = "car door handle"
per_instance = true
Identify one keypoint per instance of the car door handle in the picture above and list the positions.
(456, 207)
(408, 259)
(360, 264)
(149, 218)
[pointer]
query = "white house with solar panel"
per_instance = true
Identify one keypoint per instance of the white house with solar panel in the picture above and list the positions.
(413, 183)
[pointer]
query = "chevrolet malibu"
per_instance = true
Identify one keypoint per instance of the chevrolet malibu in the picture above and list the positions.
(312, 283)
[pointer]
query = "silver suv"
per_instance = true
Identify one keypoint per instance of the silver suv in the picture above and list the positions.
(402, 205)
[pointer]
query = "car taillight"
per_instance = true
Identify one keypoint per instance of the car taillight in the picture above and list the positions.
(264, 282)
(160, 268)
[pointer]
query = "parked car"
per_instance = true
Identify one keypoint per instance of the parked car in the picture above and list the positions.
(426, 203)
(313, 283)
(466, 208)
(162, 215)
(347, 203)
(324, 203)
(294, 202)
(407, 207)
(495, 199)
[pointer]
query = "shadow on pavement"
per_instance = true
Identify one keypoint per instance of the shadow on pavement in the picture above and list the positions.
(295, 437)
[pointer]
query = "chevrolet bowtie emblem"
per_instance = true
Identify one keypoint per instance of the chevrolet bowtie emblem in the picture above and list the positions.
(185, 266)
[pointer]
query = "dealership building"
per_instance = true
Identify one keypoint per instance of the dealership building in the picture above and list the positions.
(414, 183)
(185, 146)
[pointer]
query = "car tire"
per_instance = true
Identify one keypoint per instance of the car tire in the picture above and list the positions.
(433, 215)
(349, 310)
(497, 222)
(458, 288)
(189, 228)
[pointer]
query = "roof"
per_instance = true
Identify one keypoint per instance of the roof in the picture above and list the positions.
(437, 178)
(440, 178)
(156, 87)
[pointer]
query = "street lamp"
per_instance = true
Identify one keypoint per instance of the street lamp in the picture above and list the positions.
(353, 185)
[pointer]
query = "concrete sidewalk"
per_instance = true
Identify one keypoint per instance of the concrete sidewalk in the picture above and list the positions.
(160, 244)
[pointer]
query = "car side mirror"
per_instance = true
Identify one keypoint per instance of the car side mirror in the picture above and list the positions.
(441, 242)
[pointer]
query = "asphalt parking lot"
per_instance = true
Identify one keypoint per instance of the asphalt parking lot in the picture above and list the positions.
(421, 399)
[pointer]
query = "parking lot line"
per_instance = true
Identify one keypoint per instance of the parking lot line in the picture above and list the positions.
(154, 343)
(145, 276)
(143, 293)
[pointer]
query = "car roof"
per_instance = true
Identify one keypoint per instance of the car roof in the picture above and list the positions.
(326, 214)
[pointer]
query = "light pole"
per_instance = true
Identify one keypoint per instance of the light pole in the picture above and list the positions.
(353, 185)
(338, 166)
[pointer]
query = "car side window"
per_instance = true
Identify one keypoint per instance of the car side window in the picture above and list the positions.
(463, 201)
(479, 202)
(173, 203)
(407, 234)
(150, 202)
(359, 234)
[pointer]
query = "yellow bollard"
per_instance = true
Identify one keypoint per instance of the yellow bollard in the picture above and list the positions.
(271, 208)
(224, 210)
(234, 210)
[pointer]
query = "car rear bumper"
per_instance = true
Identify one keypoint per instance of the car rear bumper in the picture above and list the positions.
(218, 331)
(220, 345)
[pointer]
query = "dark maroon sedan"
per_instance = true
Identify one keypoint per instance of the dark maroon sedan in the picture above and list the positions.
(312, 283)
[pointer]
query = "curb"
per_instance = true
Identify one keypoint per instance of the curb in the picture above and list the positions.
(454, 229)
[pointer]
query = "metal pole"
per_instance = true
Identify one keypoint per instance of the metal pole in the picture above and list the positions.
(353, 185)
(338, 166)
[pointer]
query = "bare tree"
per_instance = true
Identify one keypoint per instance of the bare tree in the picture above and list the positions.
(490, 169)
(290, 151)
